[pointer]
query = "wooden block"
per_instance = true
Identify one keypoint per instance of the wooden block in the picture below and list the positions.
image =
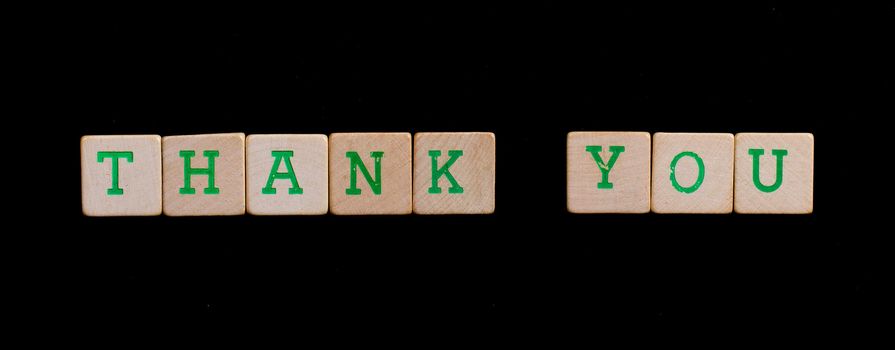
(287, 174)
(370, 173)
(789, 190)
(463, 165)
(692, 173)
(608, 172)
(121, 175)
(204, 174)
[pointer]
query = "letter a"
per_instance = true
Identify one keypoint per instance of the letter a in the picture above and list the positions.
(279, 156)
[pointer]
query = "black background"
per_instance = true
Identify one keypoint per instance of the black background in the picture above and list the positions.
(530, 73)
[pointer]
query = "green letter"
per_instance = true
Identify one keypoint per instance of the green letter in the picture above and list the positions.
(605, 168)
(356, 162)
(274, 174)
(699, 178)
(756, 154)
(445, 170)
(100, 156)
(189, 171)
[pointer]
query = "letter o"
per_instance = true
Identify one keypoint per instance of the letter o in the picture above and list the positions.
(699, 177)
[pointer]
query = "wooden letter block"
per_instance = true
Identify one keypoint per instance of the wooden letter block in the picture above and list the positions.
(121, 175)
(287, 174)
(774, 173)
(204, 174)
(370, 173)
(692, 173)
(453, 173)
(608, 172)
